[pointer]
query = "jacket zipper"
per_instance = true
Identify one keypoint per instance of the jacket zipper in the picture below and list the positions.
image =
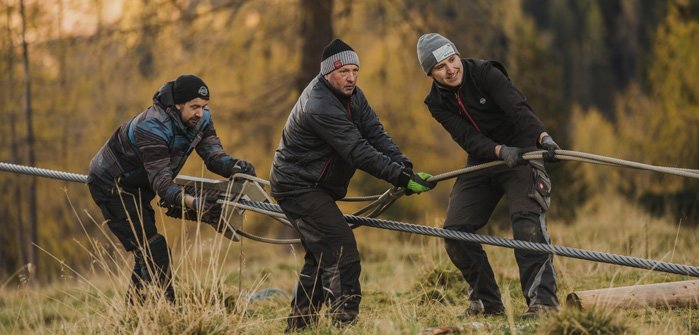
(464, 110)
(327, 164)
(322, 172)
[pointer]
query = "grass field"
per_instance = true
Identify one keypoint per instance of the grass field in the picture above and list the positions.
(408, 283)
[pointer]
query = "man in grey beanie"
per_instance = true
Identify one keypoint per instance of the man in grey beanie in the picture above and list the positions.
(475, 101)
(332, 131)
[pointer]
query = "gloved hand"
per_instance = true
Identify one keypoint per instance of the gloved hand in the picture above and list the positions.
(210, 209)
(418, 183)
(244, 167)
(549, 145)
(512, 156)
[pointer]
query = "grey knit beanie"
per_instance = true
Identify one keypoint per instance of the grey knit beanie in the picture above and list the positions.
(433, 48)
(336, 55)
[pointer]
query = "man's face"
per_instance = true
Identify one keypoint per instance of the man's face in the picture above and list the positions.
(449, 71)
(344, 79)
(191, 111)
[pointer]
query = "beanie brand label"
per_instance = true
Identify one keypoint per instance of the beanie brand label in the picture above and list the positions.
(443, 52)
(203, 91)
(337, 64)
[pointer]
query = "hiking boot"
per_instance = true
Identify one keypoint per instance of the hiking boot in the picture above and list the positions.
(476, 307)
(538, 310)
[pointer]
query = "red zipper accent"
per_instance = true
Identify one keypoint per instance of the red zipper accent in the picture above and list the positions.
(349, 109)
(325, 168)
(463, 108)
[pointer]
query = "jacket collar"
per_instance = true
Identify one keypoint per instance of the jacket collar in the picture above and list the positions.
(164, 99)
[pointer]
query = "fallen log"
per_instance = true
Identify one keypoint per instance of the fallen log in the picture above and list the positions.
(662, 295)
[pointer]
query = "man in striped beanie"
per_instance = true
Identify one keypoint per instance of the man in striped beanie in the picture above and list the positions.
(331, 131)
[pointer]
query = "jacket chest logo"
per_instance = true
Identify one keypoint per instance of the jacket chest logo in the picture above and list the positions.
(482, 101)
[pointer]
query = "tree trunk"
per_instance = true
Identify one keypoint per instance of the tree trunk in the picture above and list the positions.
(316, 31)
(11, 106)
(21, 239)
(31, 161)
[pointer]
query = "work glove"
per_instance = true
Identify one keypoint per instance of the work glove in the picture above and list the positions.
(418, 183)
(244, 167)
(550, 146)
(512, 156)
(210, 209)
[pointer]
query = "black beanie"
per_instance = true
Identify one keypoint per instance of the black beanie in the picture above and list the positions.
(336, 55)
(188, 87)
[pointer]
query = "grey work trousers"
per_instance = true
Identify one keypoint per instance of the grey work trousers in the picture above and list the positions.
(471, 204)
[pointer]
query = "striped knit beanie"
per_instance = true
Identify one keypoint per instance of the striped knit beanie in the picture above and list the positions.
(336, 55)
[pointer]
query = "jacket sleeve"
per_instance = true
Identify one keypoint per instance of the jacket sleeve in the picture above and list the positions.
(376, 134)
(211, 152)
(152, 142)
(464, 133)
(335, 128)
(512, 102)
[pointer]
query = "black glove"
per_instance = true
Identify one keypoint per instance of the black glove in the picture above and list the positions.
(244, 167)
(210, 209)
(512, 156)
(178, 212)
(549, 145)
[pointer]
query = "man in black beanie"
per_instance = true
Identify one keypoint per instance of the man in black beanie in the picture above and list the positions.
(475, 101)
(331, 132)
(141, 159)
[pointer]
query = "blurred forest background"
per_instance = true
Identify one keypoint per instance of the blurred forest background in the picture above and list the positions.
(611, 77)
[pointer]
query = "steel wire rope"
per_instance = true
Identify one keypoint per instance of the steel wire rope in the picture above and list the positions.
(503, 242)
(387, 198)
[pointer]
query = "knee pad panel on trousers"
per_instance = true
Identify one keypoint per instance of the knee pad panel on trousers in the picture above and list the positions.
(529, 226)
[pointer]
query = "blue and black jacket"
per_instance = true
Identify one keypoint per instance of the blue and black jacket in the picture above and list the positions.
(149, 150)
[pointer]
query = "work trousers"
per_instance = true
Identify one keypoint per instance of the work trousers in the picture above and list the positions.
(471, 204)
(330, 274)
(131, 219)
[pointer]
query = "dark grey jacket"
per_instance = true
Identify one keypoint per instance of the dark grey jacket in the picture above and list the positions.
(486, 110)
(149, 150)
(326, 138)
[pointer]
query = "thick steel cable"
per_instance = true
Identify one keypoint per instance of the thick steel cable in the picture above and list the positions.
(32, 171)
(388, 197)
(603, 257)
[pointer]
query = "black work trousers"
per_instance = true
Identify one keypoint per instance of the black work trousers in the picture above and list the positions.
(471, 204)
(131, 219)
(330, 274)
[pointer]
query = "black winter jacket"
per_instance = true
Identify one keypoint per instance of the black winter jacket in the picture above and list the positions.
(486, 110)
(326, 138)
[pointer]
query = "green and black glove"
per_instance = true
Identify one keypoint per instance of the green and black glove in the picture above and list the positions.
(418, 183)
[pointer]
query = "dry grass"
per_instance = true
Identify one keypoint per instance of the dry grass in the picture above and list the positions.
(408, 284)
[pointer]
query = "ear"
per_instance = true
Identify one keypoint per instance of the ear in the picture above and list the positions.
(179, 107)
